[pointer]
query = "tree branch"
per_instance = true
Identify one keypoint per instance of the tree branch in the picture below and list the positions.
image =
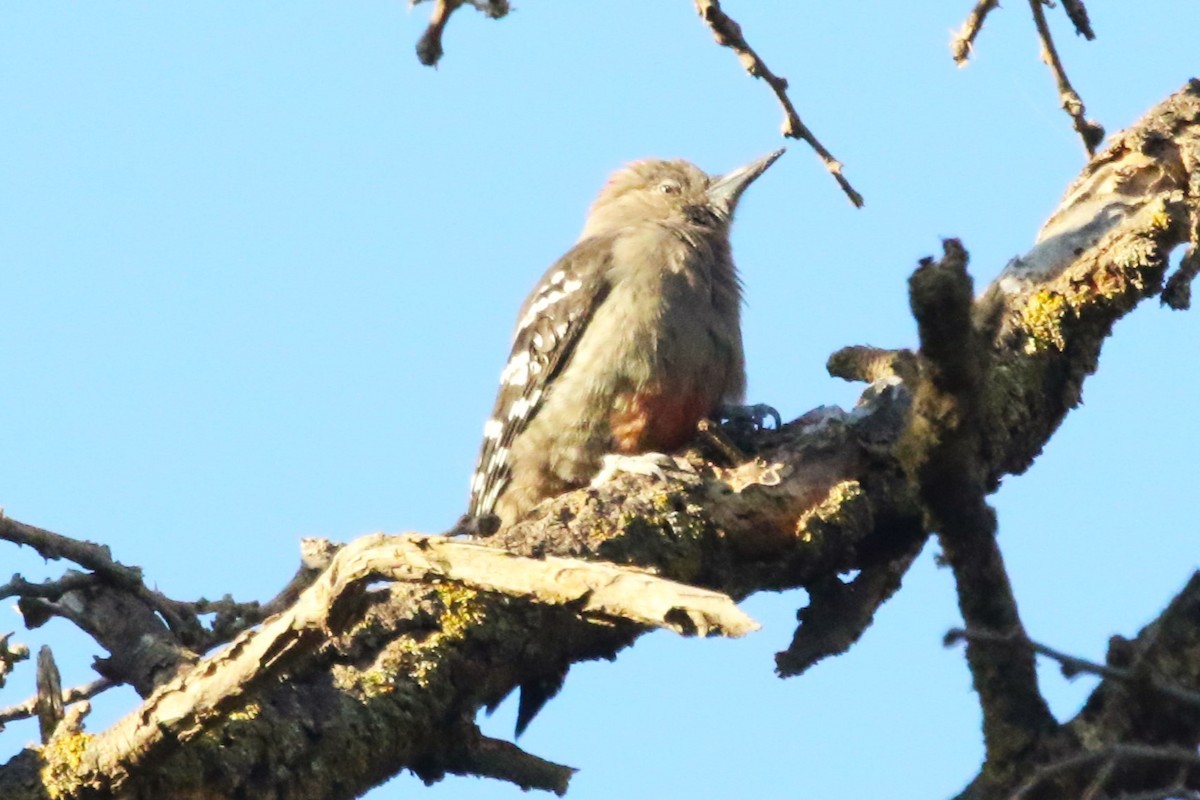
(961, 45)
(964, 41)
(728, 33)
(429, 47)
(1092, 133)
(943, 452)
(353, 683)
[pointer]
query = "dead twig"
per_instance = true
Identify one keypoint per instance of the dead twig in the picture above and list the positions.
(963, 43)
(964, 40)
(1077, 13)
(728, 33)
(1074, 665)
(429, 46)
(1090, 131)
(75, 694)
(1119, 752)
(10, 656)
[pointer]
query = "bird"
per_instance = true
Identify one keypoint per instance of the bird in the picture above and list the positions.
(626, 343)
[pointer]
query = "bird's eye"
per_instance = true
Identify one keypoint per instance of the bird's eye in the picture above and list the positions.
(669, 187)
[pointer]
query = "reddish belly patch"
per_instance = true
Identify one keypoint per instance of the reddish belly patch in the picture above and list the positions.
(654, 421)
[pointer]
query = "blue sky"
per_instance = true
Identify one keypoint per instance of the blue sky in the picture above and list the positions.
(259, 269)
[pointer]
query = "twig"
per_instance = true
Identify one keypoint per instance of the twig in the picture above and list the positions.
(315, 555)
(728, 33)
(233, 617)
(964, 40)
(10, 655)
(1100, 781)
(429, 47)
(1115, 752)
(1091, 132)
(73, 695)
(1166, 793)
(47, 589)
(1073, 665)
(99, 560)
(89, 555)
(1077, 13)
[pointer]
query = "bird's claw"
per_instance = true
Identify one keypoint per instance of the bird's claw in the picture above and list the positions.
(654, 465)
(754, 415)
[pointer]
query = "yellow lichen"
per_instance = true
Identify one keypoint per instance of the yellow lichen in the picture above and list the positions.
(1042, 319)
(62, 760)
(380, 681)
(463, 610)
(843, 502)
(1160, 218)
(247, 712)
(418, 658)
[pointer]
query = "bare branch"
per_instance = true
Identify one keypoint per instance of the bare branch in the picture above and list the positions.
(1077, 13)
(47, 589)
(10, 656)
(593, 588)
(964, 41)
(97, 558)
(73, 695)
(429, 47)
(943, 453)
(961, 45)
(728, 33)
(839, 613)
(495, 758)
(1119, 752)
(1074, 665)
(1090, 131)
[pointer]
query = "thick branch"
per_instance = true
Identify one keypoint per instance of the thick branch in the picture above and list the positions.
(943, 452)
(1143, 715)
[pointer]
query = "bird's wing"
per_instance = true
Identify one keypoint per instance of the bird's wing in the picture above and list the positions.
(550, 323)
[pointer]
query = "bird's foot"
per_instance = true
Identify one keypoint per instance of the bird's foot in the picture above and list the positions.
(655, 465)
(733, 431)
(753, 416)
(475, 526)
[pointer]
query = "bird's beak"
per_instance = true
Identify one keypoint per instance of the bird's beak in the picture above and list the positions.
(724, 192)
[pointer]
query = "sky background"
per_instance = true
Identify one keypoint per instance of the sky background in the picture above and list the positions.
(259, 270)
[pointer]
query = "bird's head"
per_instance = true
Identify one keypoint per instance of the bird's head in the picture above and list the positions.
(676, 191)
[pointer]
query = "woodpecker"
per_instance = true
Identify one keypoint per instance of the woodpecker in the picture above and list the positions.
(627, 342)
